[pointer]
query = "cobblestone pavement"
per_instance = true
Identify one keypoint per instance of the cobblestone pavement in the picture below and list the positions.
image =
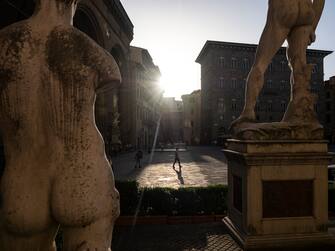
(201, 166)
(211, 237)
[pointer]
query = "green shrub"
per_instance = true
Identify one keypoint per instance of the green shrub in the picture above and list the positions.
(169, 201)
(213, 199)
(156, 201)
(129, 196)
(331, 199)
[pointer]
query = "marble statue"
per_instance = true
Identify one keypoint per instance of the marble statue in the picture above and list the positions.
(296, 22)
(56, 173)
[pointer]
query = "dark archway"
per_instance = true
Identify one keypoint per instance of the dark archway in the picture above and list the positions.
(85, 21)
(12, 11)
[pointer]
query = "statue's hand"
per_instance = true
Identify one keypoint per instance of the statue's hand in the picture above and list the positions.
(312, 36)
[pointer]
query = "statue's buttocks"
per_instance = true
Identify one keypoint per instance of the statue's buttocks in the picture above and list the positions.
(291, 13)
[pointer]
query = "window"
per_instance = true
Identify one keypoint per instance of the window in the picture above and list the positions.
(328, 94)
(221, 61)
(270, 106)
(221, 103)
(328, 106)
(233, 105)
(246, 64)
(328, 118)
(314, 88)
(283, 106)
(234, 63)
(282, 85)
(269, 84)
(270, 67)
(315, 68)
(258, 107)
(234, 83)
(221, 83)
(316, 108)
(283, 66)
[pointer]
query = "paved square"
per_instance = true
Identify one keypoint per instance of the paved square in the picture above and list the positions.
(201, 166)
(198, 237)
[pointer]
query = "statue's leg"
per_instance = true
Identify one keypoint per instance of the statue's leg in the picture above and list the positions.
(271, 40)
(86, 207)
(25, 218)
(301, 106)
(38, 241)
(95, 237)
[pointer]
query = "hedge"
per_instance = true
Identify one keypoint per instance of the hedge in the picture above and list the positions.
(331, 199)
(169, 201)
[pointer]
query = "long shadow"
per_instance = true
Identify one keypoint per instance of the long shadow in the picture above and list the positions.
(180, 176)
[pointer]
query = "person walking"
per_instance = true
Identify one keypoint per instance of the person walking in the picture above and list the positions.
(138, 157)
(176, 158)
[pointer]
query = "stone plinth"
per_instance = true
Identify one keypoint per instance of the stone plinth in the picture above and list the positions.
(278, 193)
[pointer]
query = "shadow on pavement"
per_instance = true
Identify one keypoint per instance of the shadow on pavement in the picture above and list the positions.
(173, 238)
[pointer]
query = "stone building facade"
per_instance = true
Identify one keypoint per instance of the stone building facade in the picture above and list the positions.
(224, 69)
(171, 124)
(143, 99)
(329, 105)
(106, 22)
(192, 117)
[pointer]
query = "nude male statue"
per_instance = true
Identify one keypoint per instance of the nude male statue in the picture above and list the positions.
(296, 21)
(56, 171)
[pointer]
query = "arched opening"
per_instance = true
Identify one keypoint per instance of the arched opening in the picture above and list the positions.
(85, 21)
(12, 11)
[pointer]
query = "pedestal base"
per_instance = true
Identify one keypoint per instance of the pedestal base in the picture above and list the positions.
(278, 194)
(284, 242)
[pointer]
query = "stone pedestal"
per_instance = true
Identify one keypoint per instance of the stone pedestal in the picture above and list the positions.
(278, 193)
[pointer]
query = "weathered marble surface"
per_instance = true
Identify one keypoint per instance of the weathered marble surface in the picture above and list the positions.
(296, 22)
(56, 171)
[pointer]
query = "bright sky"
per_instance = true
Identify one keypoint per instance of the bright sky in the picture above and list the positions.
(174, 32)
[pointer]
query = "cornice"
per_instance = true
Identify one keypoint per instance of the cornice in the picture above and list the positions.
(251, 48)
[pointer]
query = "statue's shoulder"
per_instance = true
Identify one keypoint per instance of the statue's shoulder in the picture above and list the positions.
(66, 43)
(67, 39)
(14, 36)
(14, 30)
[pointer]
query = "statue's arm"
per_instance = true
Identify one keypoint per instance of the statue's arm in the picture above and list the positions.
(318, 6)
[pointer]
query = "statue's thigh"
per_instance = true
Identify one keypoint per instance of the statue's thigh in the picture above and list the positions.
(80, 199)
(25, 207)
(298, 41)
(96, 237)
(35, 241)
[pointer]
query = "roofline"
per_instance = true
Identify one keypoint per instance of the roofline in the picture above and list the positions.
(125, 13)
(249, 46)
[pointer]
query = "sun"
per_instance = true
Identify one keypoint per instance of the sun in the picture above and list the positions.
(178, 79)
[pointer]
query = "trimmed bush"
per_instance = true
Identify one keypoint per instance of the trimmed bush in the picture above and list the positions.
(156, 201)
(129, 196)
(168, 201)
(331, 199)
